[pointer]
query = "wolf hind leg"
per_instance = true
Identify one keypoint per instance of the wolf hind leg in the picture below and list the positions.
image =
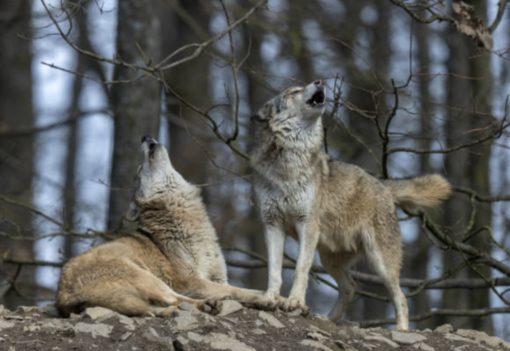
(337, 265)
(384, 257)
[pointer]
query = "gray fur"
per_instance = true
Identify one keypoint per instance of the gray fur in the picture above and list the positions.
(326, 204)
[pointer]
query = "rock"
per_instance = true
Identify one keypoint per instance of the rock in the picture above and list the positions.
(315, 344)
(454, 337)
(96, 312)
(31, 328)
(27, 309)
(316, 336)
(96, 329)
(2, 309)
(480, 336)
(128, 323)
(220, 341)
(259, 323)
(195, 337)
(230, 306)
(382, 339)
(185, 306)
(313, 328)
(5, 324)
(424, 347)
(125, 336)
(182, 344)
(164, 341)
(358, 332)
(185, 321)
(49, 311)
(406, 338)
(445, 328)
(258, 331)
(271, 320)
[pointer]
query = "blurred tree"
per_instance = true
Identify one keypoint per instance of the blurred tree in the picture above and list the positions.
(136, 105)
(17, 152)
(469, 98)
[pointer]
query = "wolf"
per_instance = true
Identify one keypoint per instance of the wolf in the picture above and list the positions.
(335, 207)
(172, 257)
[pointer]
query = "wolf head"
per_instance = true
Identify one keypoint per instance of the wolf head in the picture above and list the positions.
(303, 103)
(155, 180)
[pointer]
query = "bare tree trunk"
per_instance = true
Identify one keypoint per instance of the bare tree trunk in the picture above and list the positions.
(468, 168)
(419, 249)
(16, 154)
(136, 105)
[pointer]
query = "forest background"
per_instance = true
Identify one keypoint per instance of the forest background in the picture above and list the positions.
(412, 88)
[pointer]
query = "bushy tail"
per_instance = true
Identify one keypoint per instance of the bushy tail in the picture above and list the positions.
(426, 191)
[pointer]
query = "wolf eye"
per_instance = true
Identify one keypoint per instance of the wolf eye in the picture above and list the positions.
(295, 92)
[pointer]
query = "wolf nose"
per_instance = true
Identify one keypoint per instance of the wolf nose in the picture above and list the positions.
(146, 138)
(319, 83)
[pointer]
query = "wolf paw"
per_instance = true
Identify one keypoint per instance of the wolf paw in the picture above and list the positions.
(210, 306)
(292, 304)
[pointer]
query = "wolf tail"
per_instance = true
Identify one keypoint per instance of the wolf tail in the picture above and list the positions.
(426, 191)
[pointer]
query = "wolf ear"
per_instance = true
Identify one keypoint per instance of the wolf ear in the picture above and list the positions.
(132, 213)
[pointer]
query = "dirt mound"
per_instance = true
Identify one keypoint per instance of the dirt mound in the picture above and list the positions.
(236, 329)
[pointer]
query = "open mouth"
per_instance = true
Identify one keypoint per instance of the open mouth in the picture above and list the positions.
(152, 149)
(316, 99)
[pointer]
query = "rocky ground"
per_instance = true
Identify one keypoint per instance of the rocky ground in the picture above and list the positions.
(235, 328)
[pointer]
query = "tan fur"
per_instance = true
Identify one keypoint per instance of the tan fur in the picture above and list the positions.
(426, 191)
(173, 257)
(333, 206)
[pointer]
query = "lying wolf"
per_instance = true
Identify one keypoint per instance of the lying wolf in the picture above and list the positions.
(338, 208)
(173, 257)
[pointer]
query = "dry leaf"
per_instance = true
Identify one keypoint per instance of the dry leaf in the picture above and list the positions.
(472, 25)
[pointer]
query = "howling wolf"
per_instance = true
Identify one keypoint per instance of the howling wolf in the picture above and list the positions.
(173, 257)
(326, 204)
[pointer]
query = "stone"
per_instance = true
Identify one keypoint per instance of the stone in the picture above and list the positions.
(382, 339)
(5, 324)
(28, 309)
(220, 341)
(259, 323)
(195, 337)
(315, 336)
(185, 321)
(358, 332)
(229, 307)
(49, 310)
(454, 337)
(271, 320)
(125, 336)
(258, 331)
(182, 344)
(480, 337)
(163, 341)
(186, 306)
(96, 312)
(2, 309)
(445, 328)
(423, 347)
(313, 328)
(31, 328)
(128, 323)
(406, 338)
(96, 329)
(314, 344)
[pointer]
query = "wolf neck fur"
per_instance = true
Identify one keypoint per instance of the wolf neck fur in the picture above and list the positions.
(288, 153)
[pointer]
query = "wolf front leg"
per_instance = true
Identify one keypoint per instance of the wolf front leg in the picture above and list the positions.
(308, 234)
(275, 242)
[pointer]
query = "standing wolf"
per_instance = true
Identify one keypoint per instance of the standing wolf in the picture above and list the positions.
(323, 203)
(173, 257)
